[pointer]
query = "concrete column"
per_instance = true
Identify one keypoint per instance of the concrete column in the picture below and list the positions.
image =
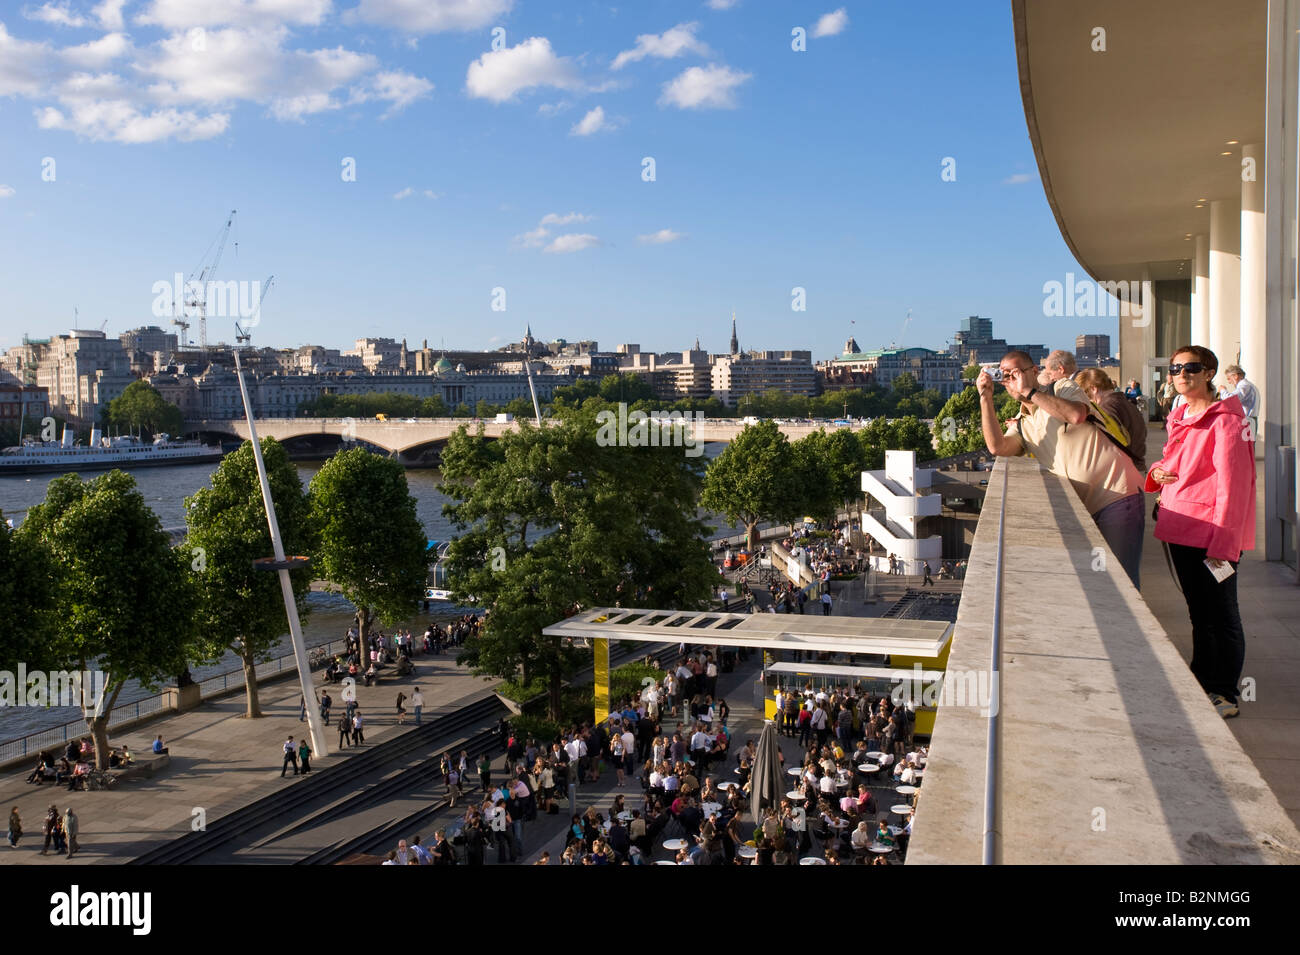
(1200, 292)
(1254, 269)
(1225, 280)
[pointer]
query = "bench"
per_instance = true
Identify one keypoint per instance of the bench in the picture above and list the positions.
(142, 767)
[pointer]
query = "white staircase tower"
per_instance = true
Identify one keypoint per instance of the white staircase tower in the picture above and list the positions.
(896, 489)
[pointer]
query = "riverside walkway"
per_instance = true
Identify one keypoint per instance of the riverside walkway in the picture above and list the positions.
(221, 761)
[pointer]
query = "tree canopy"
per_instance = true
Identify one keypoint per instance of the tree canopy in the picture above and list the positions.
(141, 407)
(124, 600)
(372, 544)
(755, 479)
(550, 521)
(242, 609)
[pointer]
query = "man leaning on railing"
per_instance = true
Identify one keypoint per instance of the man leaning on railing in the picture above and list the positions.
(1053, 425)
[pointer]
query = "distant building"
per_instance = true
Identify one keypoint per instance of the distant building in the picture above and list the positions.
(148, 348)
(1092, 349)
(931, 369)
(27, 404)
(733, 377)
(81, 371)
(973, 344)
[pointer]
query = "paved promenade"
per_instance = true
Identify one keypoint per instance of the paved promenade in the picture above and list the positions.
(219, 761)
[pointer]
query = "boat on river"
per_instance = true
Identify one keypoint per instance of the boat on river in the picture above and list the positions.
(102, 453)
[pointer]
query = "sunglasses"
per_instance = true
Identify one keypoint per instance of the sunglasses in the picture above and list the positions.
(1191, 367)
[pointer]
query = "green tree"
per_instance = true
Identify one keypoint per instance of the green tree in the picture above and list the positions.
(905, 385)
(754, 480)
(141, 407)
(242, 609)
(957, 424)
(372, 545)
(551, 520)
(27, 592)
(124, 601)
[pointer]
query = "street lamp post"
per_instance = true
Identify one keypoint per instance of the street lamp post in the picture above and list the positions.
(281, 565)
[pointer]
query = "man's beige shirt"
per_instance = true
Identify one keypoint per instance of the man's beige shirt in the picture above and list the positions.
(1100, 472)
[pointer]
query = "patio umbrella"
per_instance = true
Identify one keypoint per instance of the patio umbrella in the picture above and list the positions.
(767, 783)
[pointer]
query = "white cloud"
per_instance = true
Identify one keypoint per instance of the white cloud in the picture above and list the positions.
(58, 14)
(23, 65)
(703, 87)
(665, 46)
(498, 75)
(403, 193)
(6, 191)
(832, 23)
(121, 121)
(550, 109)
(260, 14)
(1016, 179)
(430, 16)
(554, 218)
(532, 239)
(660, 237)
(396, 87)
(430, 194)
(574, 242)
(722, 4)
(294, 108)
(109, 14)
(99, 52)
(593, 122)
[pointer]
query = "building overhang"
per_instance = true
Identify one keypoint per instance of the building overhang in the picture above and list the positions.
(1133, 143)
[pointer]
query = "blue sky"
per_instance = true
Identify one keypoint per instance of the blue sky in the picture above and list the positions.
(521, 167)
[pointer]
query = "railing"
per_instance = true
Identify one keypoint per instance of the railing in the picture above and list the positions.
(992, 766)
(209, 688)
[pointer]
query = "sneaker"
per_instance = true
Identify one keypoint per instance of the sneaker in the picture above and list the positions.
(1223, 706)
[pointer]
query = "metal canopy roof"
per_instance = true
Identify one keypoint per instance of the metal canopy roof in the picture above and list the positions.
(876, 635)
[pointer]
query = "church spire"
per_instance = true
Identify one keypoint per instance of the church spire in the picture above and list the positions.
(735, 344)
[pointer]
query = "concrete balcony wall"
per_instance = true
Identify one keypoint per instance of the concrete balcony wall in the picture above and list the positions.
(1110, 751)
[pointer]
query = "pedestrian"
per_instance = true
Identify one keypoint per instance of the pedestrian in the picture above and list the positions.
(51, 824)
(325, 704)
(417, 703)
(826, 604)
(15, 828)
(358, 737)
(290, 757)
(71, 827)
(485, 772)
(453, 784)
(345, 731)
(1206, 516)
(302, 709)
(401, 708)
(928, 581)
(304, 753)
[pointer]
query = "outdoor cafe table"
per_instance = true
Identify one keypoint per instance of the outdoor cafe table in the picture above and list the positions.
(795, 795)
(674, 845)
(665, 862)
(709, 808)
(812, 860)
(905, 790)
(728, 785)
(868, 768)
(794, 771)
(747, 852)
(903, 809)
(881, 849)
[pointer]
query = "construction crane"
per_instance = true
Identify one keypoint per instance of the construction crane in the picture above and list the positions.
(196, 286)
(242, 333)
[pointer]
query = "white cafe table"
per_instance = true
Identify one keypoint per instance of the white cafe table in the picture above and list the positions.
(903, 809)
(794, 771)
(868, 768)
(674, 845)
(709, 808)
(881, 849)
(874, 755)
(812, 860)
(728, 785)
(905, 790)
(665, 862)
(747, 852)
(795, 795)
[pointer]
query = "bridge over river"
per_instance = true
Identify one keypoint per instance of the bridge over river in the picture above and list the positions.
(417, 441)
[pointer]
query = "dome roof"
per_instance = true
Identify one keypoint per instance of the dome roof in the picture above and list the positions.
(442, 367)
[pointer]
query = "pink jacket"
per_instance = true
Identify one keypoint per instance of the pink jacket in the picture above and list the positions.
(1212, 503)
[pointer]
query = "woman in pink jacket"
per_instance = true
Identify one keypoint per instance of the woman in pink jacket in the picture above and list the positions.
(1206, 480)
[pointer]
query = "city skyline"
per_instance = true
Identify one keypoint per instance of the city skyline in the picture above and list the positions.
(395, 165)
